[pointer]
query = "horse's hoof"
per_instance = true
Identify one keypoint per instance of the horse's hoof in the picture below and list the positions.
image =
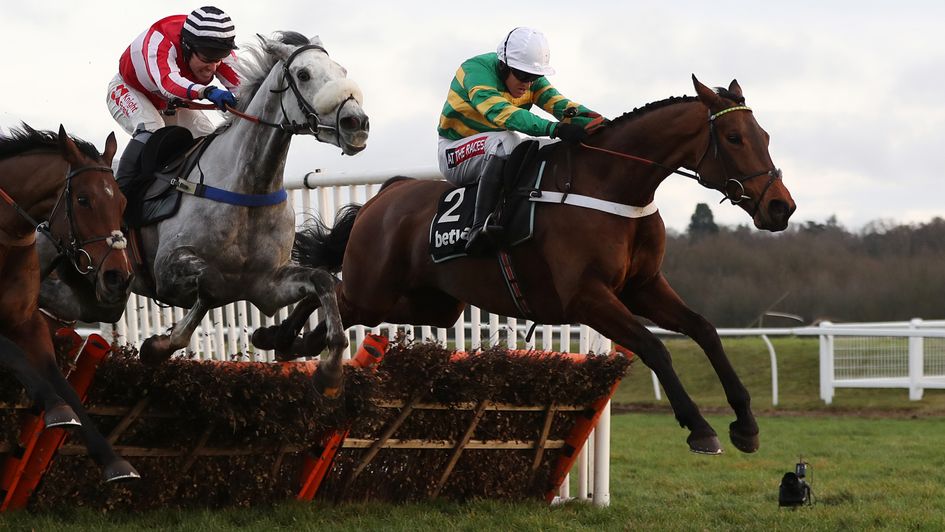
(264, 338)
(743, 441)
(705, 444)
(120, 471)
(330, 387)
(155, 350)
(62, 416)
(286, 357)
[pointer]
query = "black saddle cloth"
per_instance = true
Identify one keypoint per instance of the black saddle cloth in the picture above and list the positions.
(450, 227)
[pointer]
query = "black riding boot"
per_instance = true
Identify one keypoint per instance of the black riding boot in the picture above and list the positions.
(490, 185)
(129, 166)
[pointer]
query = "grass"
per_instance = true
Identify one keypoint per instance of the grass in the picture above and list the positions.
(866, 474)
(875, 457)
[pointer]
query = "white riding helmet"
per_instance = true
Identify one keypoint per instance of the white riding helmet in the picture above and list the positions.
(526, 49)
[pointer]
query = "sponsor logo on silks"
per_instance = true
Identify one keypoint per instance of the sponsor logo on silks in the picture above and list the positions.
(455, 156)
(124, 100)
(446, 238)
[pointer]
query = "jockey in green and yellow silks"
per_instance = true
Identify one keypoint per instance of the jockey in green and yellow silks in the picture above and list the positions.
(487, 113)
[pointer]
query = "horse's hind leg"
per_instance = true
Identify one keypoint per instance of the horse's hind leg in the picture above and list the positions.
(282, 336)
(39, 390)
(601, 310)
(292, 283)
(657, 301)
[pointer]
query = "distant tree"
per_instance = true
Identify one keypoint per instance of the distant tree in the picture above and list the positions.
(702, 222)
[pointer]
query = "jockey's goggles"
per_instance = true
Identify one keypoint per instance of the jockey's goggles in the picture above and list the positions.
(524, 77)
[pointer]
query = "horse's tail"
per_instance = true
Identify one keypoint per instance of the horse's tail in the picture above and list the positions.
(317, 246)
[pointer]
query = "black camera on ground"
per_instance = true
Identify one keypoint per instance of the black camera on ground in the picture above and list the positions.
(794, 490)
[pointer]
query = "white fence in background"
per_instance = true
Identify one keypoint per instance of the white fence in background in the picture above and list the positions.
(894, 354)
(908, 355)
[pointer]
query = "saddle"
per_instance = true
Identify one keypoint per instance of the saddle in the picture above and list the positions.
(168, 156)
(455, 209)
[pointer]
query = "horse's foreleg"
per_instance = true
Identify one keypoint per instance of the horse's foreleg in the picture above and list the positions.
(657, 301)
(114, 467)
(44, 361)
(160, 347)
(601, 310)
(40, 392)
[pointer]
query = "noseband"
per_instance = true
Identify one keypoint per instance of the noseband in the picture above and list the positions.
(74, 250)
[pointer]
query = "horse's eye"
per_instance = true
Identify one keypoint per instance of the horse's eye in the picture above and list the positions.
(83, 201)
(303, 75)
(734, 138)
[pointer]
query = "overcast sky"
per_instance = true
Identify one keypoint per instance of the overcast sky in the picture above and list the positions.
(852, 92)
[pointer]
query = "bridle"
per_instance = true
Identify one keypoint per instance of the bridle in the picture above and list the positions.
(732, 188)
(74, 249)
(312, 122)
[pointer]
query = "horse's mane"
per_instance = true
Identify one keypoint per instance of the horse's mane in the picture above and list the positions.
(672, 100)
(640, 111)
(254, 66)
(24, 139)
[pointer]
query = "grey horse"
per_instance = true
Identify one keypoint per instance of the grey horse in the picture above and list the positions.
(212, 253)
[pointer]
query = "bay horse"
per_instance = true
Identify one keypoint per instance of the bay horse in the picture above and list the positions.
(212, 253)
(66, 184)
(583, 265)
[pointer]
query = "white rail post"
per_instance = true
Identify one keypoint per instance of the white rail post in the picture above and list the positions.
(602, 458)
(916, 362)
(826, 365)
(774, 370)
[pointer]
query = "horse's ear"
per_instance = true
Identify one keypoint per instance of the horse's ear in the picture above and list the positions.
(111, 146)
(68, 149)
(735, 89)
(315, 39)
(707, 95)
(275, 48)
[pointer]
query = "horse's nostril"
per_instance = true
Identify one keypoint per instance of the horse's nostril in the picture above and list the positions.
(353, 123)
(114, 279)
(779, 210)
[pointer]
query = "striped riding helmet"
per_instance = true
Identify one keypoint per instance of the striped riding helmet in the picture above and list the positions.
(209, 30)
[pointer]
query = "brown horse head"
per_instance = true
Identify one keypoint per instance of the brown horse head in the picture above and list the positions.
(737, 162)
(87, 220)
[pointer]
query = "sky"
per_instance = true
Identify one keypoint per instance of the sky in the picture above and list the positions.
(851, 92)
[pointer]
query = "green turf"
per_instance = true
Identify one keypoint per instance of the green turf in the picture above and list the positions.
(866, 474)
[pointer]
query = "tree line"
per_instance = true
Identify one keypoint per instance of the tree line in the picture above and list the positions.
(734, 275)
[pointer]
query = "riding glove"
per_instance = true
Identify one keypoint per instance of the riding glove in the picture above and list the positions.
(220, 97)
(569, 132)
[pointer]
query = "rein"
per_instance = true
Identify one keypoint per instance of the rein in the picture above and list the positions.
(74, 250)
(733, 189)
(313, 123)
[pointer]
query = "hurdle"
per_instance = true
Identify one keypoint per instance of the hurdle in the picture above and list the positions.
(416, 423)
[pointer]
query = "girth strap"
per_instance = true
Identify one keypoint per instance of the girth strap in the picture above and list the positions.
(577, 200)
